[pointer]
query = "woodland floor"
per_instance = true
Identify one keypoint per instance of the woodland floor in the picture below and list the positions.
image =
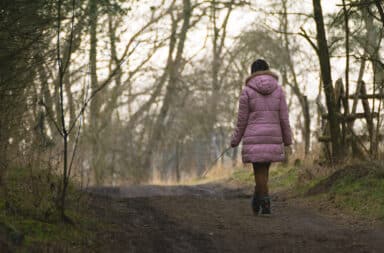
(218, 218)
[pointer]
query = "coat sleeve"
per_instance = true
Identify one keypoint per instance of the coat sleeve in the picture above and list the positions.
(242, 119)
(284, 121)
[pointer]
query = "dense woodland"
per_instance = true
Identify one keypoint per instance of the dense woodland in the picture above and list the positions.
(122, 92)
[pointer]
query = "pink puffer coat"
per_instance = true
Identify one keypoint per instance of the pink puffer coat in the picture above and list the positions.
(263, 121)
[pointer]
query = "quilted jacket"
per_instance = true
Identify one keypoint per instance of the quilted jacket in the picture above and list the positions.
(263, 122)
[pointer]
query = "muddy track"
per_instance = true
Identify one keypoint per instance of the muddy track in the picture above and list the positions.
(217, 218)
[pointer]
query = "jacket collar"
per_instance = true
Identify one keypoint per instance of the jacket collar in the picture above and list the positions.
(263, 72)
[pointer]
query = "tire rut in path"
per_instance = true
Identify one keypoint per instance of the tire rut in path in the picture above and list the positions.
(213, 218)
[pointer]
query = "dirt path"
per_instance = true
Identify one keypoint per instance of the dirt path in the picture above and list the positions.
(217, 218)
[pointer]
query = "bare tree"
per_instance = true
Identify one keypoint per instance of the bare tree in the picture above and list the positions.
(62, 67)
(173, 75)
(294, 84)
(325, 67)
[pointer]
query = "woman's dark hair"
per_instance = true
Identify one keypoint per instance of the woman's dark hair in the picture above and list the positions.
(259, 65)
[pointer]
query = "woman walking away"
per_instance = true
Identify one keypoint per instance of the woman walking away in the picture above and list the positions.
(263, 124)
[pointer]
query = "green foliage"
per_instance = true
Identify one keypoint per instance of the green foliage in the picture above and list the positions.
(364, 196)
(283, 177)
(356, 188)
(29, 216)
(31, 193)
(243, 176)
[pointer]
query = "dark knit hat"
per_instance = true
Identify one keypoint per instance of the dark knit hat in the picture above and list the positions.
(259, 65)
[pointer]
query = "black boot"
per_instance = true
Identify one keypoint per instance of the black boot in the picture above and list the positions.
(265, 205)
(256, 203)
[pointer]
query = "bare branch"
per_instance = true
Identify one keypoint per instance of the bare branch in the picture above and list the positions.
(304, 34)
(51, 117)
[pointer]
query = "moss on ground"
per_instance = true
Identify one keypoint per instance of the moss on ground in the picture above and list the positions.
(357, 188)
(29, 219)
(364, 196)
(243, 176)
(281, 177)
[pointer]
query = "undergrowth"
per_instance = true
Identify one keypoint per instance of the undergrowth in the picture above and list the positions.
(361, 195)
(29, 218)
(357, 188)
(281, 177)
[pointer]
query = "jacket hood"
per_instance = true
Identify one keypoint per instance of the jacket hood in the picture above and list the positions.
(264, 82)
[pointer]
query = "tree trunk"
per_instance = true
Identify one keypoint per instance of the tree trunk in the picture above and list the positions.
(3, 149)
(177, 166)
(95, 102)
(171, 91)
(218, 40)
(345, 98)
(307, 125)
(325, 66)
(295, 85)
(379, 7)
(234, 156)
(372, 48)
(368, 118)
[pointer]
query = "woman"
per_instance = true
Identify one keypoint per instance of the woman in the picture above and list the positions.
(263, 124)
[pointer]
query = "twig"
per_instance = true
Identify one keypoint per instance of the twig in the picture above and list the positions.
(306, 36)
(75, 147)
(213, 163)
(51, 118)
